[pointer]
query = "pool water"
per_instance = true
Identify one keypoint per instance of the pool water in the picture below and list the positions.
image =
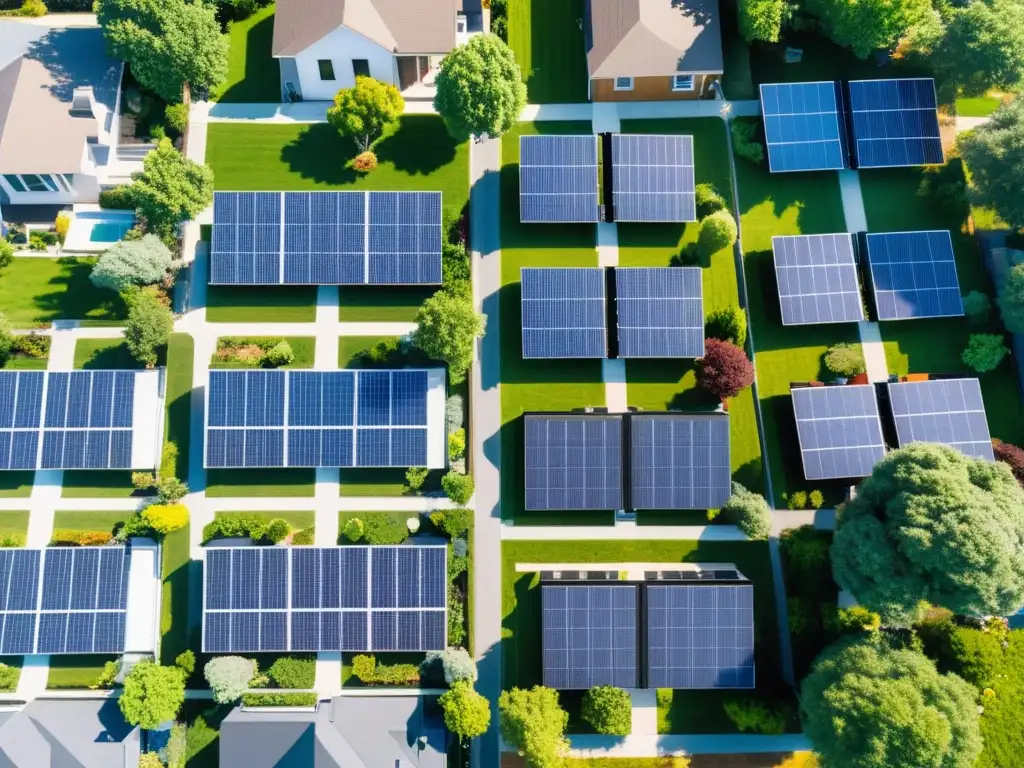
(108, 231)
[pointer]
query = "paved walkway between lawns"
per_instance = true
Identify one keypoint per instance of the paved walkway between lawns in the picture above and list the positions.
(594, 745)
(645, 711)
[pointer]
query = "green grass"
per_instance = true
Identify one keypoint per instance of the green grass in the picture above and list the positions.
(381, 481)
(383, 303)
(14, 525)
(222, 483)
(263, 304)
(37, 291)
(176, 568)
(297, 520)
(304, 348)
(982, 106)
(76, 670)
(103, 483)
(76, 520)
(16, 484)
(96, 354)
(547, 39)
(253, 73)
(178, 396)
(349, 681)
(25, 363)
(350, 347)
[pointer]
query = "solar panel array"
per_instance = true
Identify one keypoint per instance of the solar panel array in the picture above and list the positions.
(589, 635)
(558, 179)
(21, 402)
(839, 430)
(63, 600)
(324, 599)
(652, 178)
(804, 126)
(679, 461)
(913, 275)
(573, 462)
(317, 418)
(564, 313)
(326, 238)
(946, 411)
(895, 123)
(660, 311)
(817, 279)
(700, 636)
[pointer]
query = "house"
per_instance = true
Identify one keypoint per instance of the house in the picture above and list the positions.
(649, 50)
(323, 45)
(59, 124)
(68, 733)
(346, 732)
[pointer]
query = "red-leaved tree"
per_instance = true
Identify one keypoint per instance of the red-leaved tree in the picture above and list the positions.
(724, 370)
(1012, 455)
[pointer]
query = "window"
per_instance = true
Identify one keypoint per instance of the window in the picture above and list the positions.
(361, 67)
(326, 69)
(682, 83)
(460, 25)
(623, 83)
(15, 182)
(38, 183)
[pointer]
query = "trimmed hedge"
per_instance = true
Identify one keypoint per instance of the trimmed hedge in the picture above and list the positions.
(72, 538)
(279, 699)
(246, 526)
(366, 669)
(289, 672)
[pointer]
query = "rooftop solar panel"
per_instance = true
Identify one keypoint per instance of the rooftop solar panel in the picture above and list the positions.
(817, 279)
(839, 430)
(589, 635)
(652, 178)
(558, 179)
(564, 313)
(945, 411)
(660, 311)
(804, 126)
(679, 461)
(573, 461)
(913, 275)
(895, 123)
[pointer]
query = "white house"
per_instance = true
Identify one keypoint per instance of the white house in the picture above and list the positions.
(323, 45)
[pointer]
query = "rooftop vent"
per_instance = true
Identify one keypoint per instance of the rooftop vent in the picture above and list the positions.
(83, 103)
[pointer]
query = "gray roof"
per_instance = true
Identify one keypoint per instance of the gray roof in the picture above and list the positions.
(653, 38)
(68, 733)
(401, 26)
(40, 68)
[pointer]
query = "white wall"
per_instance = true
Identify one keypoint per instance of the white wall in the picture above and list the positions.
(341, 46)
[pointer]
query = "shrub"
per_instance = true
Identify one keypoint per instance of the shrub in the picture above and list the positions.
(6, 253)
(176, 118)
(977, 308)
(277, 530)
(6, 339)
(857, 618)
(170, 490)
(456, 616)
(9, 677)
(369, 672)
(724, 370)
(728, 324)
(279, 699)
(456, 444)
(186, 662)
(61, 225)
(984, 352)
(467, 714)
(118, 198)
(609, 710)
(717, 231)
(150, 760)
(169, 458)
(382, 528)
(453, 411)
(797, 500)
(806, 550)
(450, 665)
(353, 530)
(459, 488)
(460, 547)
(280, 354)
(745, 141)
(845, 359)
(131, 263)
(451, 226)
(415, 477)
(148, 327)
(165, 518)
(457, 564)
(799, 615)
(231, 526)
(305, 537)
(229, 677)
(143, 480)
(816, 499)
(67, 538)
(107, 676)
(1012, 455)
(30, 344)
(290, 672)
(708, 200)
(749, 714)
(136, 525)
(454, 264)
(751, 513)
(453, 522)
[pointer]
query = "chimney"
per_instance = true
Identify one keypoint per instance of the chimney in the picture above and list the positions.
(83, 104)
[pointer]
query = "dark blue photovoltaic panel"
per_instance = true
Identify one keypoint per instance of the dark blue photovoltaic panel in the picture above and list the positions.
(945, 411)
(679, 461)
(895, 123)
(404, 238)
(246, 239)
(21, 399)
(324, 237)
(558, 179)
(700, 636)
(804, 126)
(589, 635)
(913, 275)
(839, 430)
(564, 312)
(573, 461)
(660, 311)
(652, 178)
(817, 279)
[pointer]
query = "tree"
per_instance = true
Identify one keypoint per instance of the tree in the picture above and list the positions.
(994, 151)
(455, 664)
(724, 370)
(708, 199)
(933, 524)
(168, 43)
(983, 47)
(152, 694)
(984, 352)
(728, 324)
(1011, 299)
(6, 254)
(763, 19)
(745, 142)
(480, 89)
(750, 512)
(1012, 456)
(354, 529)
(866, 26)
(170, 189)
(609, 710)
(845, 359)
(446, 328)
(977, 308)
(361, 113)
(166, 518)
(6, 339)
(717, 231)
(147, 327)
(532, 722)
(131, 263)
(186, 662)
(150, 760)
(467, 714)
(868, 704)
(229, 677)
(458, 487)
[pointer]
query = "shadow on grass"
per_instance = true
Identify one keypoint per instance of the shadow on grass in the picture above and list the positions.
(262, 80)
(420, 146)
(115, 357)
(75, 297)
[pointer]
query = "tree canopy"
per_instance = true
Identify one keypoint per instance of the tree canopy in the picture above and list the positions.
(170, 189)
(363, 112)
(447, 326)
(609, 710)
(994, 152)
(148, 327)
(868, 25)
(132, 262)
(983, 47)
(933, 524)
(724, 369)
(152, 694)
(228, 677)
(467, 714)
(763, 19)
(750, 512)
(532, 722)
(1011, 299)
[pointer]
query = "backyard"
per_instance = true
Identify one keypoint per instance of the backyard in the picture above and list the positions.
(38, 290)
(253, 73)
(547, 39)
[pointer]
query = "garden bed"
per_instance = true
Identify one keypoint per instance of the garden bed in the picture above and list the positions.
(264, 352)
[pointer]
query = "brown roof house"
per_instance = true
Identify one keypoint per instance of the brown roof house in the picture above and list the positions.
(650, 50)
(323, 45)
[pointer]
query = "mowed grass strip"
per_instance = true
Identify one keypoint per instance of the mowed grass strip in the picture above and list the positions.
(39, 290)
(14, 526)
(296, 519)
(280, 483)
(382, 303)
(107, 354)
(351, 348)
(76, 670)
(253, 73)
(99, 483)
(547, 39)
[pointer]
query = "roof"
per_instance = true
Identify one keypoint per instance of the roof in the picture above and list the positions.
(68, 733)
(40, 68)
(401, 26)
(652, 38)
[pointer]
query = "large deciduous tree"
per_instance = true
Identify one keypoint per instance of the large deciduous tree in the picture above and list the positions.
(868, 25)
(148, 327)
(130, 263)
(152, 694)
(361, 113)
(983, 47)
(994, 152)
(447, 326)
(480, 89)
(724, 369)
(933, 524)
(533, 723)
(1011, 299)
(170, 189)
(763, 19)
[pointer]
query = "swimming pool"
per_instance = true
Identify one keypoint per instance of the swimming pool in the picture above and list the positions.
(92, 231)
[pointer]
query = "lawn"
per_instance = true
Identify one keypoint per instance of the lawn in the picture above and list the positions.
(39, 290)
(103, 483)
(381, 481)
(222, 483)
(382, 303)
(261, 304)
(76, 670)
(175, 605)
(17, 484)
(547, 39)
(96, 354)
(982, 106)
(25, 363)
(14, 525)
(351, 347)
(304, 348)
(297, 520)
(78, 520)
(253, 73)
(178, 398)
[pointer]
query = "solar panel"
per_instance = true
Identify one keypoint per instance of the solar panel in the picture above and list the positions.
(652, 178)
(21, 399)
(895, 123)
(945, 411)
(325, 599)
(660, 311)
(839, 430)
(817, 279)
(573, 461)
(326, 238)
(913, 275)
(700, 636)
(679, 461)
(564, 313)
(589, 635)
(558, 179)
(804, 126)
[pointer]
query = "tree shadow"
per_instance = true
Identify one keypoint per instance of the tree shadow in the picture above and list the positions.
(116, 358)
(751, 475)
(261, 81)
(75, 297)
(419, 146)
(319, 153)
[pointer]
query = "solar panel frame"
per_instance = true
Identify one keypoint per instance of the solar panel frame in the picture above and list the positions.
(558, 179)
(895, 120)
(901, 280)
(943, 411)
(653, 178)
(839, 430)
(805, 264)
(564, 312)
(659, 312)
(805, 126)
